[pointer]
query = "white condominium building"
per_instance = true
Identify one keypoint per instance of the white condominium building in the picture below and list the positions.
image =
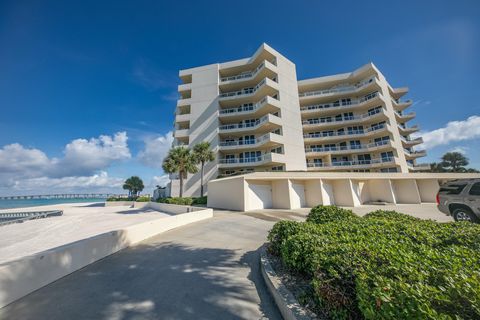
(259, 117)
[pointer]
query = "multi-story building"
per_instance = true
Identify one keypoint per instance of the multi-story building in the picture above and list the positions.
(258, 117)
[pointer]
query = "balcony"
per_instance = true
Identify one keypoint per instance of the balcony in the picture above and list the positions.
(266, 123)
(408, 130)
(181, 133)
(368, 100)
(314, 123)
(401, 105)
(268, 158)
(265, 70)
(345, 134)
(414, 154)
(314, 151)
(266, 141)
(404, 117)
(411, 142)
(346, 165)
(184, 102)
(306, 96)
(266, 87)
(266, 105)
(184, 87)
(182, 117)
(419, 167)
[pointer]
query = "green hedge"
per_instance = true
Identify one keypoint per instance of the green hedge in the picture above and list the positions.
(186, 201)
(324, 214)
(120, 199)
(384, 266)
(143, 199)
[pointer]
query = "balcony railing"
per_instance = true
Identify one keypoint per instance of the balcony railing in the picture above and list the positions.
(348, 148)
(344, 119)
(338, 89)
(409, 140)
(344, 133)
(415, 152)
(235, 126)
(243, 109)
(406, 115)
(245, 75)
(262, 158)
(339, 104)
(352, 163)
(243, 92)
(245, 142)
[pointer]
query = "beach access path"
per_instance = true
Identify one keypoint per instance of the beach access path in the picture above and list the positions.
(79, 221)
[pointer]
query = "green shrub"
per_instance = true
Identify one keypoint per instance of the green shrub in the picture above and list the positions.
(384, 266)
(120, 199)
(143, 199)
(324, 214)
(390, 215)
(177, 200)
(200, 200)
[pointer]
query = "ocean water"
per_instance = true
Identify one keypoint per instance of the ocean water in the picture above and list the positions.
(21, 203)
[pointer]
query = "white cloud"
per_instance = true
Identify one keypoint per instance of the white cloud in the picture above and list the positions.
(459, 149)
(84, 157)
(161, 181)
(155, 150)
(97, 182)
(454, 131)
(81, 167)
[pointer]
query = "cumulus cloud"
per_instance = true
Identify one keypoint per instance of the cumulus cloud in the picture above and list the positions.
(81, 166)
(454, 131)
(97, 182)
(161, 181)
(155, 150)
(462, 150)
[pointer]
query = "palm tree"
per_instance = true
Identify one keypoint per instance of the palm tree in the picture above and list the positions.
(182, 161)
(454, 160)
(134, 185)
(203, 154)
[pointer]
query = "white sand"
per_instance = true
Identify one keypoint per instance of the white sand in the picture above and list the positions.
(79, 221)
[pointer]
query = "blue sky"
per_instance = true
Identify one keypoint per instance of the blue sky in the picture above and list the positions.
(88, 88)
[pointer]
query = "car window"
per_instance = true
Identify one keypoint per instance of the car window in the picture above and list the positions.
(475, 189)
(452, 188)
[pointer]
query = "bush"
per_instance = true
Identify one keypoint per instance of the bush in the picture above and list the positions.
(176, 200)
(200, 200)
(390, 216)
(143, 199)
(120, 199)
(384, 266)
(323, 214)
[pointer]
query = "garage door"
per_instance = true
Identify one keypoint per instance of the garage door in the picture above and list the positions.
(298, 200)
(259, 196)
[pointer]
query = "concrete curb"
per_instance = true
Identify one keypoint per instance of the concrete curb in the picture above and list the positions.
(25, 275)
(284, 299)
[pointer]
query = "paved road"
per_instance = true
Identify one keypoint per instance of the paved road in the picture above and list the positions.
(207, 270)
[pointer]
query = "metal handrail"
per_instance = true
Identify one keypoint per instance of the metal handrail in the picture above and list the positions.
(351, 147)
(339, 104)
(347, 118)
(343, 133)
(16, 217)
(339, 89)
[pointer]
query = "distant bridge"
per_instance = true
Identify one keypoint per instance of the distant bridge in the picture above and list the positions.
(64, 196)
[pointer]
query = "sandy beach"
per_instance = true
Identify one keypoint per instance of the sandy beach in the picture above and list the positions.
(79, 221)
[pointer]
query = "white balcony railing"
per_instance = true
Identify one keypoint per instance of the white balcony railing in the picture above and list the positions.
(340, 104)
(244, 109)
(263, 158)
(344, 133)
(348, 148)
(352, 163)
(338, 89)
(344, 119)
(246, 75)
(258, 140)
(409, 140)
(243, 92)
(236, 126)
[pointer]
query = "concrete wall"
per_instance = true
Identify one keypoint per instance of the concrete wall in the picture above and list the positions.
(343, 189)
(23, 276)
(228, 193)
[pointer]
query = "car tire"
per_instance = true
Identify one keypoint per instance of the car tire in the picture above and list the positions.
(464, 214)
